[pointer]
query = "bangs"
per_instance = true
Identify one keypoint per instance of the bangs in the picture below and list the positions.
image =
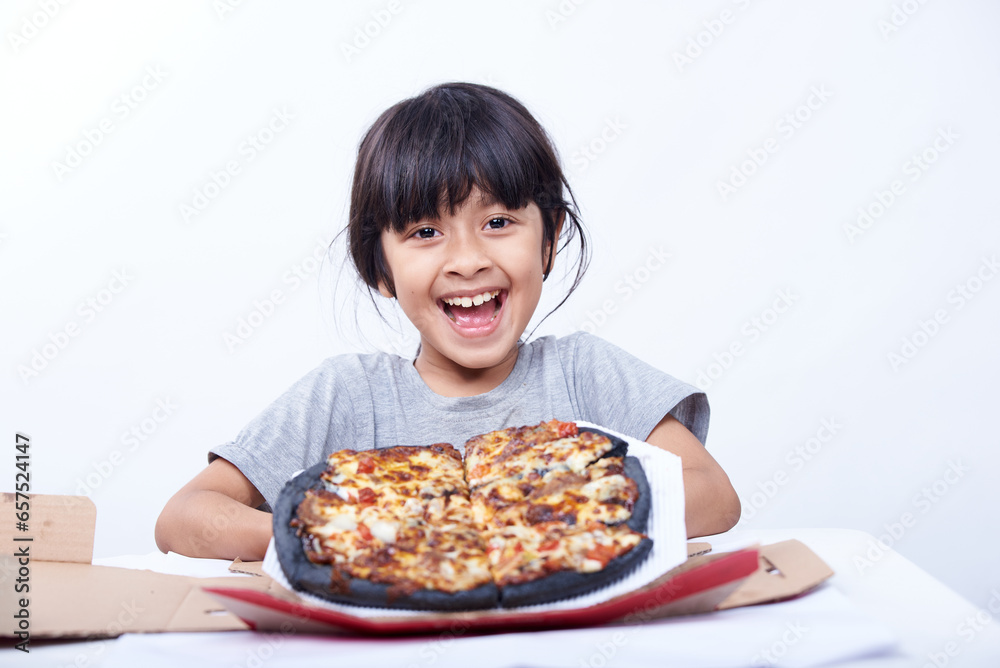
(424, 156)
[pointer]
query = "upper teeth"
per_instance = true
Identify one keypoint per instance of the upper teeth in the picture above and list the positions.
(475, 300)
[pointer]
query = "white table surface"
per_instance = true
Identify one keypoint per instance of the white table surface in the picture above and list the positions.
(892, 614)
(925, 614)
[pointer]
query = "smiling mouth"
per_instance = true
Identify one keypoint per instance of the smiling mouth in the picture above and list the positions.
(474, 310)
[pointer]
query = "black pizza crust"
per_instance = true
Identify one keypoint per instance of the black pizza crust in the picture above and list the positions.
(305, 575)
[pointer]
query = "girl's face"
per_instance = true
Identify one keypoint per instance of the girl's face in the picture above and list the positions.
(469, 282)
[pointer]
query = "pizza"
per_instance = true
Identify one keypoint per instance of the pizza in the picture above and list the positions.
(532, 514)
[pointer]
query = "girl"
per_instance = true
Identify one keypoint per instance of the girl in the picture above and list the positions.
(457, 210)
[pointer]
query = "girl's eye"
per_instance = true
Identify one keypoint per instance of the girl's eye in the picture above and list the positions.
(425, 233)
(498, 223)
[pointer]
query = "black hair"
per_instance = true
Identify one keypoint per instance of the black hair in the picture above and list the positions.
(425, 154)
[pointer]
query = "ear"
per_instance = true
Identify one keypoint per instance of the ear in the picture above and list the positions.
(385, 290)
(549, 252)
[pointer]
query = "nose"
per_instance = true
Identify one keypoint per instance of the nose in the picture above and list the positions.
(467, 255)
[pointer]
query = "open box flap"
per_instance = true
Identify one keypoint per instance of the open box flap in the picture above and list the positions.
(786, 569)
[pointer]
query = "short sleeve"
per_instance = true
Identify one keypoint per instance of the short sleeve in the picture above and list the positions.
(617, 390)
(322, 412)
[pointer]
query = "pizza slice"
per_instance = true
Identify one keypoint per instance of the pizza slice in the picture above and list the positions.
(405, 471)
(600, 493)
(519, 451)
(549, 561)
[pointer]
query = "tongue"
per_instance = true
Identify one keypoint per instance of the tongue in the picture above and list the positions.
(473, 316)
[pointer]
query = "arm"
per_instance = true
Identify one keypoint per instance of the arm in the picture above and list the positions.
(215, 516)
(710, 502)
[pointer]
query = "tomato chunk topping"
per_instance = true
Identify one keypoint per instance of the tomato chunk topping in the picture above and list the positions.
(366, 496)
(364, 531)
(366, 464)
(564, 429)
(601, 553)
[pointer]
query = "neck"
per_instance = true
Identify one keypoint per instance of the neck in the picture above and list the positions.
(448, 379)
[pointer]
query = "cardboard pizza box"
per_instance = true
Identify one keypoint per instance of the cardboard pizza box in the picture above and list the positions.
(70, 597)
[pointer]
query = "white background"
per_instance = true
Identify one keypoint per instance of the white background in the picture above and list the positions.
(673, 130)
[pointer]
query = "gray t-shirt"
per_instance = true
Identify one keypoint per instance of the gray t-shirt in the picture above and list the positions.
(379, 400)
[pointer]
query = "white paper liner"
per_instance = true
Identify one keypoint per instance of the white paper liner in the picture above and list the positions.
(666, 528)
